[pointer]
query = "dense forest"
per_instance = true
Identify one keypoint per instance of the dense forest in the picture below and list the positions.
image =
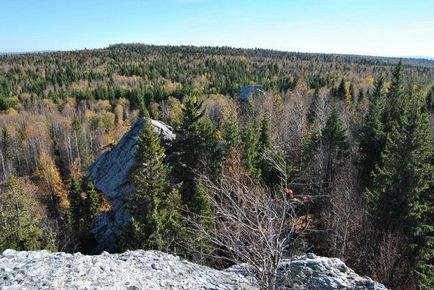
(346, 140)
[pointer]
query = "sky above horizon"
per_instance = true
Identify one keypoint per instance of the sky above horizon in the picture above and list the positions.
(371, 27)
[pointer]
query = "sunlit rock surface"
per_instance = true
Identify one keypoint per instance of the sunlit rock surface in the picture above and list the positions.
(157, 270)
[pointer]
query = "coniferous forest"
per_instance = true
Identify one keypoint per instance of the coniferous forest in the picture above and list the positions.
(347, 140)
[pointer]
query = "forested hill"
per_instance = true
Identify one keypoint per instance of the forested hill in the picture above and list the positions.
(268, 53)
(338, 147)
(130, 70)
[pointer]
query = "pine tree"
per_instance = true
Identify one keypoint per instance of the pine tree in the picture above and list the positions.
(421, 210)
(266, 169)
(251, 149)
(361, 96)
(372, 137)
(197, 150)
(92, 204)
(265, 135)
(76, 204)
(201, 207)
(231, 134)
(342, 91)
(403, 181)
(335, 144)
(21, 221)
(154, 205)
(313, 107)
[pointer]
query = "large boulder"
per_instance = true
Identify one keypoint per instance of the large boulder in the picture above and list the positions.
(129, 270)
(110, 175)
(157, 270)
(315, 272)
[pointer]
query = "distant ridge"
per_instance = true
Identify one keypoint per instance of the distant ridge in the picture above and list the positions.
(417, 61)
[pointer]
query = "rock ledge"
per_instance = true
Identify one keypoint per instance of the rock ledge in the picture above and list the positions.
(157, 270)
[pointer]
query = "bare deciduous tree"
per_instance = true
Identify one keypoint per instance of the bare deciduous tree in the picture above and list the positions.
(252, 224)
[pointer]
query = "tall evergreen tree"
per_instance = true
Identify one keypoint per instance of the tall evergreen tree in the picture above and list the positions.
(92, 204)
(251, 149)
(202, 209)
(421, 213)
(231, 135)
(361, 95)
(335, 144)
(372, 136)
(197, 150)
(403, 180)
(267, 171)
(313, 107)
(155, 204)
(265, 135)
(75, 203)
(21, 222)
(342, 90)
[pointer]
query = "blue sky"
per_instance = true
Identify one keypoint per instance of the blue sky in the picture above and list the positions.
(372, 27)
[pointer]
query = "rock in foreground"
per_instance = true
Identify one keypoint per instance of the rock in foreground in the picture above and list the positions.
(157, 270)
(130, 270)
(314, 272)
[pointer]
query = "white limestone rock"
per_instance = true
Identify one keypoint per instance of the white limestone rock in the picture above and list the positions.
(129, 270)
(157, 270)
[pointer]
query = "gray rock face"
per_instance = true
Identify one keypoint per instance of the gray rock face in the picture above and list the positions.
(314, 272)
(130, 270)
(157, 270)
(252, 90)
(110, 175)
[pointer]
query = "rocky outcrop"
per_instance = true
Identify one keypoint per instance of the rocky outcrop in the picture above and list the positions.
(157, 270)
(110, 175)
(130, 270)
(314, 272)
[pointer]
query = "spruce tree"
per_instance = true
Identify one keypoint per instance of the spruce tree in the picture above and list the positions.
(75, 203)
(202, 209)
(342, 91)
(21, 222)
(92, 204)
(313, 107)
(403, 181)
(154, 205)
(251, 149)
(361, 96)
(197, 149)
(421, 210)
(265, 135)
(196, 152)
(231, 134)
(372, 136)
(266, 169)
(335, 144)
